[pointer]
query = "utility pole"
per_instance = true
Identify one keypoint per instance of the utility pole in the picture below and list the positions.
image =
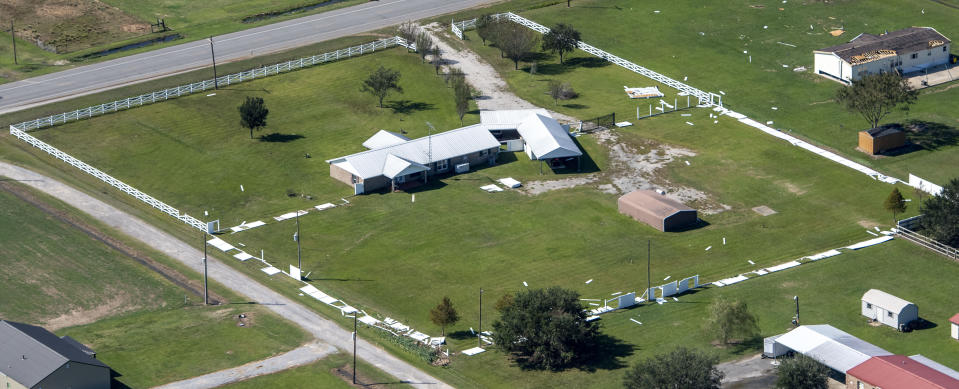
(797, 310)
(479, 335)
(213, 55)
(354, 347)
(206, 299)
(299, 262)
(13, 37)
(649, 280)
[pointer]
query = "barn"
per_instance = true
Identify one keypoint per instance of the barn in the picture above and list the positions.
(904, 51)
(880, 139)
(888, 309)
(657, 210)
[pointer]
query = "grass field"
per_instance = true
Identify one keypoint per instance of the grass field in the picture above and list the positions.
(671, 43)
(58, 277)
(198, 157)
(322, 374)
(398, 258)
(86, 26)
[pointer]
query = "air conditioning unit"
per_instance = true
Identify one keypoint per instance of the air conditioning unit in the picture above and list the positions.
(462, 168)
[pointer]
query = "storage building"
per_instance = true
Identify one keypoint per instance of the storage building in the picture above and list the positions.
(830, 346)
(904, 51)
(888, 309)
(881, 139)
(954, 326)
(32, 357)
(659, 211)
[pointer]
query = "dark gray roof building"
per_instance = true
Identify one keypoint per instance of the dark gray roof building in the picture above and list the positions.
(33, 357)
(865, 47)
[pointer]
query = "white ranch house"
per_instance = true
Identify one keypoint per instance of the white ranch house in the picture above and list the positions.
(904, 51)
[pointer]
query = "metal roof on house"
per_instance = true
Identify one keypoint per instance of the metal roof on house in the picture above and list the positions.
(954, 319)
(935, 365)
(867, 47)
(423, 151)
(383, 138)
(395, 166)
(884, 130)
(547, 138)
(899, 371)
(830, 346)
(885, 300)
(509, 116)
(28, 354)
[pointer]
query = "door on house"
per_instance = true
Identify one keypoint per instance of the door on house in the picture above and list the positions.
(879, 314)
(400, 179)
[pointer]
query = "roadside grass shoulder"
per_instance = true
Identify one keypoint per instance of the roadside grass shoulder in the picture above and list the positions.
(322, 374)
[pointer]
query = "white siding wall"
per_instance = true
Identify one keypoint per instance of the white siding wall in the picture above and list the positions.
(836, 67)
(832, 65)
(955, 330)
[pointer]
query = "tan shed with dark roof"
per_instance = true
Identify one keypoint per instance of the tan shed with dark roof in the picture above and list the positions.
(658, 211)
(881, 139)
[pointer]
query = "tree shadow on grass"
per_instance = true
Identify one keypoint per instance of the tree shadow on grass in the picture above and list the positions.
(551, 69)
(606, 354)
(752, 344)
(408, 107)
(931, 135)
(280, 138)
(460, 335)
(575, 106)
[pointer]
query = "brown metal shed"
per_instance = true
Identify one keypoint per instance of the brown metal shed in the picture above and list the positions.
(659, 211)
(880, 139)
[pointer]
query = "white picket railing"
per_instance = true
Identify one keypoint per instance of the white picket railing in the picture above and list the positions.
(229, 79)
(56, 153)
(704, 97)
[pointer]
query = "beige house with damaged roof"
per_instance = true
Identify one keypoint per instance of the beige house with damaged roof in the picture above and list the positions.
(904, 51)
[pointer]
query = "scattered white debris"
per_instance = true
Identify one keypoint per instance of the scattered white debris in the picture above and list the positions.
(722, 93)
(623, 124)
(724, 241)
(877, 228)
(241, 188)
(872, 233)
(785, 66)
(715, 121)
(686, 114)
(707, 249)
(637, 322)
(656, 11)
(590, 280)
(616, 293)
(473, 351)
(687, 163)
(769, 123)
(765, 27)
(775, 108)
(525, 284)
(751, 262)
(667, 277)
(786, 44)
(594, 304)
(689, 123)
(211, 94)
(675, 299)
(800, 69)
(684, 78)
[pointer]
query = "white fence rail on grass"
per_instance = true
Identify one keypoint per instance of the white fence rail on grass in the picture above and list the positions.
(190, 220)
(201, 86)
(704, 97)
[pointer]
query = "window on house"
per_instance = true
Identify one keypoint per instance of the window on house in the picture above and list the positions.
(929, 53)
(442, 165)
(483, 153)
(889, 313)
(355, 180)
(859, 385)
(915, 55)
(868, 305)
(943, 49)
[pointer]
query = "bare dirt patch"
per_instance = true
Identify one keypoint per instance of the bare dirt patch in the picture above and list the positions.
(764, 210)
(70, 25)
(868, 224)
(792, 188)
(346, 374)
(120, 303)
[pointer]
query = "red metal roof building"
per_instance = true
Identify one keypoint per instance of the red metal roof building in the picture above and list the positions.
(954, 326)
(897, 372)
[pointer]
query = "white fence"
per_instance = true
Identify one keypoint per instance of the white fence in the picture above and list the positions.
(705, 98)
(190, 220)
(234, 78)
(924, 185)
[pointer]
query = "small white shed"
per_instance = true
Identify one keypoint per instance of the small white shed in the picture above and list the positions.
(888, 309)
(954, 326)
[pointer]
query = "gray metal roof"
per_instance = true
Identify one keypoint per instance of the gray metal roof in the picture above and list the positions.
(885, 300)
(830, 346)
(383, 138)
(547, 138)
(28, 354)
(510, 117)
(438, 147)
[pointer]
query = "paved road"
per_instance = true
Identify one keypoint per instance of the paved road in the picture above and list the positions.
(239, 45)
(320, 327)
(302, 355)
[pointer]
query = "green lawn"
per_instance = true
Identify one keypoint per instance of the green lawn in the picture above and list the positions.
(669, 42)
(321, 375)
(152, 348)
(193, 20)
(192, 153)
(54, 275)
